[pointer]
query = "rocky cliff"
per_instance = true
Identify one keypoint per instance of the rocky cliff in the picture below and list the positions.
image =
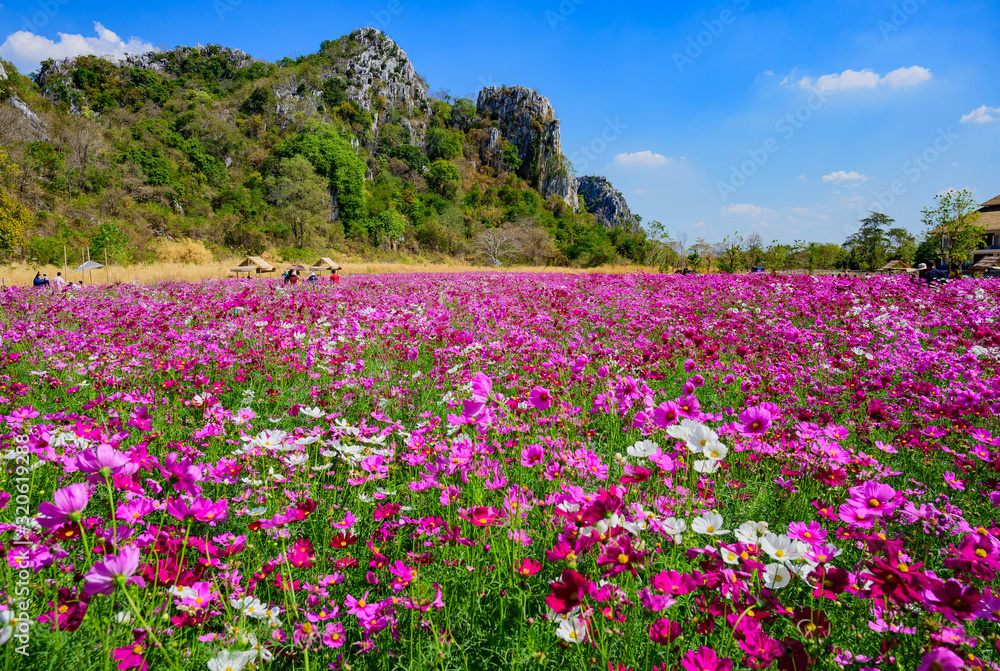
(8, 96)
(607, 204)
(527, 120)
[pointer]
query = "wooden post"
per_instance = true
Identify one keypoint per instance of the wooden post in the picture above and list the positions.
(107, 273)
(65, 265)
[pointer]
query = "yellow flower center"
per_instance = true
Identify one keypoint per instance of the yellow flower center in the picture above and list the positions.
(710, 529)
(904, 568)
(779, 553)
(874, 503)
(623, 558)
(981, 553)
(137, 650)
(63, 608)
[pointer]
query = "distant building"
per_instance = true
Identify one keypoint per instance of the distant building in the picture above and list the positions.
(989, 220)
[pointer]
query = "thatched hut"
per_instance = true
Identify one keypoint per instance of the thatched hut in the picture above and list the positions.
(895, 266)
(253, 265)
(989, 220)
(324, 263)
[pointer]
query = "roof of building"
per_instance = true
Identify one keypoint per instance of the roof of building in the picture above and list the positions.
(995, 202)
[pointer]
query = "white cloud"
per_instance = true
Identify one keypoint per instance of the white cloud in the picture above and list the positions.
(852, 80)
(639, 191)
(645, 159)
(26, 50)
(747, 210)
(840, 177)
(982, 114)
(803, 178)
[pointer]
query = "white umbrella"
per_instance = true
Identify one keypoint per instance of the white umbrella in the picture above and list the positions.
(88, 265)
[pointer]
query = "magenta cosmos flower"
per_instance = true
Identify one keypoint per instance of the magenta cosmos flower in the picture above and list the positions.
(941, 659)
(540, 398)
(705, 659)
(755, 421)
(67, 505)
(114, 571)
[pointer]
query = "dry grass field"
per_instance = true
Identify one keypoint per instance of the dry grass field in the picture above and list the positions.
(196, 272)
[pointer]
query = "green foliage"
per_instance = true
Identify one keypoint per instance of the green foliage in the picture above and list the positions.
(387, 225)
(334, 158)
(14, 223)
(111, 238)
(154, 166)
(869, 246)
(301, 197)
(954, 215)
(443, 144)
(444, 178)
(260, 101)
(410, 155)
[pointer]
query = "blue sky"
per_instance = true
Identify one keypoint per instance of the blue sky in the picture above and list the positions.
(791, 119)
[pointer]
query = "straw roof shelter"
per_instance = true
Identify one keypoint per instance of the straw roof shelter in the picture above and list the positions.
(895, 266)
(989, 220)
(253, 265)
(325, 263)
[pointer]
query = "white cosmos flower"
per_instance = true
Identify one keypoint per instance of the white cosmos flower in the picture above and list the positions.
(572, 630)
(674, 527)
(715, 450)
(294, 460)
(323, 467)
(699, 435)
(729, 555)
(751, 532)
(230, 660)
(710, 524)
(643, 449)
(776, 576)
(780, 547)
(315, 413)
(258, 650)
(706, 466)
(270, 439)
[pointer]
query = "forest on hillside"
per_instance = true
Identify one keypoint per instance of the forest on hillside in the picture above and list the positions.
(241, 156)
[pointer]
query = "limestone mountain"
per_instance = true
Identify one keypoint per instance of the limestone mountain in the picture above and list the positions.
(210, 143)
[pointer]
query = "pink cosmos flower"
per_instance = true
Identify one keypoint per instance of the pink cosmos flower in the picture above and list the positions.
(540, 398)
(131, 656)
(114, 571)
(333, 635)
(755, 421)
(67, 505)
(663, 631)
(482, 387)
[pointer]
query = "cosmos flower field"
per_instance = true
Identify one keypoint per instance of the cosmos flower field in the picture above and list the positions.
(494, 471)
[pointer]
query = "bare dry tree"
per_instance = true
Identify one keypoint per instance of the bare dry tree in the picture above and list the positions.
(496, 244)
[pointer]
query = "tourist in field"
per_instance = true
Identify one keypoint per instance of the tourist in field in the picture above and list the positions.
(59, 282)
(38, 281)
(284, 276)
(335, 278)
(312, 279)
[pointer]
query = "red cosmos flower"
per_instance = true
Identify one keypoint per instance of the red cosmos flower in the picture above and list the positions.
(830, 583)
(620, 557)
(70, 611)
(812, 623)
(304, 509)
(529, 567)
(565, 595)
(898, 582)
(954, 600)
(342, 540)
